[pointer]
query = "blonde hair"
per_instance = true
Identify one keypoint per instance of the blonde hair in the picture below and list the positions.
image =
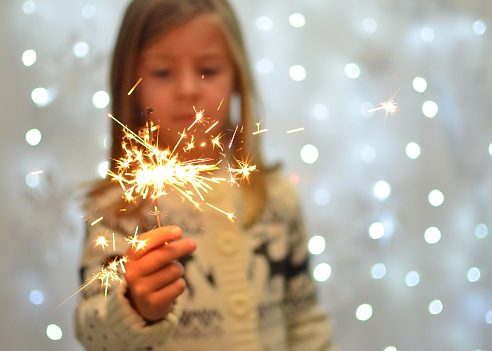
(144, 22)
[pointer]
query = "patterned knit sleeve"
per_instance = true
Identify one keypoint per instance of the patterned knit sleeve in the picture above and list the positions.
(104, 318)
(309, 327)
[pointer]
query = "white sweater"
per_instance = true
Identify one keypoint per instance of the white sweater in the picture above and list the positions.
(247, 289)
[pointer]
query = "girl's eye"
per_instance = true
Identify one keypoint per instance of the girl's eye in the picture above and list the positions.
(209, 71)
(161, 73)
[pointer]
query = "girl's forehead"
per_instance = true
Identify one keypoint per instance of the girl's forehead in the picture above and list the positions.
(202, 34)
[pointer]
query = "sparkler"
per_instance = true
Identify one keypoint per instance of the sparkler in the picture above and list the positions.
(147, 171)
(389, 106)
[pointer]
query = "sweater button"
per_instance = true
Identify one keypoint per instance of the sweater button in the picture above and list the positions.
(226, 243)
(239, 305)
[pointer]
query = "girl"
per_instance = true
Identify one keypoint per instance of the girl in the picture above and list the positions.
(248, 284)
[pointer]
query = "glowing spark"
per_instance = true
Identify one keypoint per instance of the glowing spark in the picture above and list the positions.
(213, 125)
(295, 130)
(190, 145)
(258, 131)
(96, 221)
(216, 141)
(135, 86)
(232, 139)
(136, 243)
(101, 241)
(221, 101)
(389, 106)
(108, 274)
(242, 173)
(229, 215)
(199, 118)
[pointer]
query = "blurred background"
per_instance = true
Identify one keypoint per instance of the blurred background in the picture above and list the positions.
(398, 205)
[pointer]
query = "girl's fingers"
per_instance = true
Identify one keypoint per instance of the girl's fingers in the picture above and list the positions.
(158, 258)
(154, 239)
(159, 279)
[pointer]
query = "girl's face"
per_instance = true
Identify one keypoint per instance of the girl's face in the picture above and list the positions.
(188, 68)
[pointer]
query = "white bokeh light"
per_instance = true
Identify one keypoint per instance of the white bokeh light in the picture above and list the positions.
(297, 73)
(419, 84)
(376, 230)
(309, 154)
(369, 25)
(363, 312)
(320, 112)
(436, 198)
(264, 23)
(381, 190)
(81, 49)
(368, 154)
(29, 7)
(432, 235)
(54, 332)
(412, 150)
(390, 348)
(435, 307)
(481, 230)
(316, 245)
(106, 141)
(322, 272)
(479, 27)
(102, 170)
(33, 179)
(352, 70)
(36, 297)
(29, 57)
(264, 66)
(366, 109)
(89, 11)
(430, 109)
(40, 96)
(321, 197)
(488, 317)
(427, 34)
(33, 137)
(101, 99)
(473, 274)
(412, 278)
(297, 20)
(378, 271)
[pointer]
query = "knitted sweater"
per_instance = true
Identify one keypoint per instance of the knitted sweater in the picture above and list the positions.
(247, 289)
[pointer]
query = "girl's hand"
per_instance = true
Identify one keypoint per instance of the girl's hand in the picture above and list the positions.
(153, 275)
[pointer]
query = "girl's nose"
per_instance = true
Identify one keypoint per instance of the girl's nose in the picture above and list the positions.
(188, 84)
